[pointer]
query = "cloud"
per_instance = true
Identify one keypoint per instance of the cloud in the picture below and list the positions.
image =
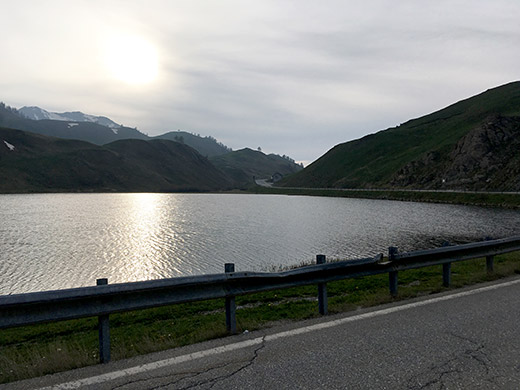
(293, 77)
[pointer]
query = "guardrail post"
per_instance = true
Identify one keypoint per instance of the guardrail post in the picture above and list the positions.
(231, 321)
(490, 261)
(104, 331)
(446, 270)
(392, 275)
(322, 289)
(446, 274)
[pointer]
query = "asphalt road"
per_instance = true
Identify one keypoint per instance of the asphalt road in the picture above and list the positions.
(467, 339)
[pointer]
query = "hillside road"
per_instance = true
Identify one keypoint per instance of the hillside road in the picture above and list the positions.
(463, 339)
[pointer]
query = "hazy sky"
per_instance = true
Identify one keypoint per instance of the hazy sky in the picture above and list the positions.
(293, 77)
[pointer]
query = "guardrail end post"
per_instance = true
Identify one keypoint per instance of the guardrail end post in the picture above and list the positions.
(231, 320)
(104, 331)
(322, 289)
(392, 275)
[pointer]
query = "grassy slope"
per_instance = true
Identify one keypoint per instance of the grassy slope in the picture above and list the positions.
(43, 164)
(174, 165)
(206, 146)
(243, 164)
(372, 160)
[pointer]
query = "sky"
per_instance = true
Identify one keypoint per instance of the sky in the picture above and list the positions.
(291, 77)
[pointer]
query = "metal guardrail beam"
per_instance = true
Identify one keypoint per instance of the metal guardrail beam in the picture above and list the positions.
(459, 252)
(31, 308)
(106, 299)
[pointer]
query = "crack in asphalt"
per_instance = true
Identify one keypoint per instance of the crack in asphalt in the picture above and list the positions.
(249, 364)
(187, 375)
(476, 352)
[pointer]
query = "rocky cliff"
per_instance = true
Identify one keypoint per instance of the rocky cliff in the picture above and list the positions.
(486, 158)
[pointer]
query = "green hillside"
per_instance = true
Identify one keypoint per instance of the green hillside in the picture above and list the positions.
(100, 135)
(35, 163)
(242, 165)
(207, 146)
(377, 160)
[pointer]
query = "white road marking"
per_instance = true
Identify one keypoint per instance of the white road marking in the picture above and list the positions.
(259, 340)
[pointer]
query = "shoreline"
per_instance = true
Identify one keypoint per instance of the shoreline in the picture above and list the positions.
(508, 200)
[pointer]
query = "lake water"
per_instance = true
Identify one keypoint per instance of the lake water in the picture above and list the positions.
(54, 241)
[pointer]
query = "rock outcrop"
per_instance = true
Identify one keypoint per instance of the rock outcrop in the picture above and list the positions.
(486, 158)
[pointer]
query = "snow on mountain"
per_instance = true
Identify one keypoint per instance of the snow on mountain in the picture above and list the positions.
(11, 147)
(37, 113)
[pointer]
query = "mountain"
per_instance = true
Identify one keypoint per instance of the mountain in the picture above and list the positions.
(245, 164)
(35, 163)
(98, 130)
(207, 146)
(86, 131)
(471, 144)
(240, 167)
(37, 113)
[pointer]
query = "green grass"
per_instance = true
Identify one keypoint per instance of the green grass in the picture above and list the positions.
(372, 161)
(42, 349)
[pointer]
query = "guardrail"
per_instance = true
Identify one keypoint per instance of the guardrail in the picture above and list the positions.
(105, 299)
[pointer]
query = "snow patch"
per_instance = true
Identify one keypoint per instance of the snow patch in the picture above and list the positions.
(53, 116)
(37, 113)
(11, 147)
(72, 125)
(90, 118)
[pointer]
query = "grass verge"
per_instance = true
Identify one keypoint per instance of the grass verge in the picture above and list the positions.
(43, 349)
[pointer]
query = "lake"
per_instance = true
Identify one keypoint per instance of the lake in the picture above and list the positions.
(55, 241)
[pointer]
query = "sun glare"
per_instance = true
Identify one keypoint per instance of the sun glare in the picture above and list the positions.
(132, 59)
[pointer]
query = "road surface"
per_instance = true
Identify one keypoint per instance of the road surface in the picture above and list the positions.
(465, 339)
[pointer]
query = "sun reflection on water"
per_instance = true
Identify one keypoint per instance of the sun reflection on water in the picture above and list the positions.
(52, 241)
(144, 217)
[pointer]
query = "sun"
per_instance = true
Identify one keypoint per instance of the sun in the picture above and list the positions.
(132, 59)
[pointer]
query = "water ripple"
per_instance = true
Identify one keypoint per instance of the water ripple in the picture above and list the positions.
(51, 241)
